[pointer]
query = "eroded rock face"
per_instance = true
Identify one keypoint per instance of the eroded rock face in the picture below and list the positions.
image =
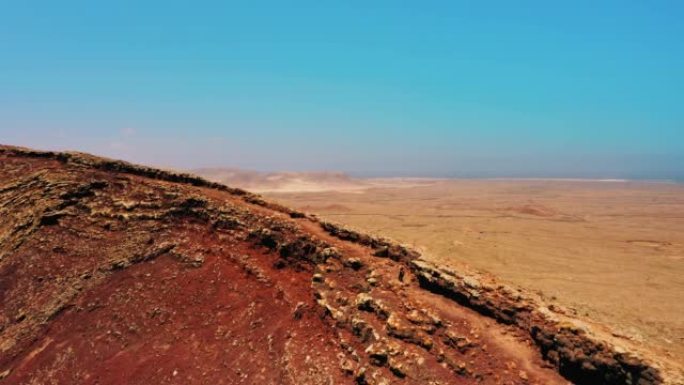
(112, 273)
(576, 355)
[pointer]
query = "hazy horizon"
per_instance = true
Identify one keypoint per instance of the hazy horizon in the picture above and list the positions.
(503, 171)
(436, 89)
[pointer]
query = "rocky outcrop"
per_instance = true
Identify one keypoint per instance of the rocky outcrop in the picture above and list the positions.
(573, 351)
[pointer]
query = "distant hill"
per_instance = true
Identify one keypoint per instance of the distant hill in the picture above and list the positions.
(282, 181)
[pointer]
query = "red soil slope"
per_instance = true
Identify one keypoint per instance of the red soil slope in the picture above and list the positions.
(118, 274)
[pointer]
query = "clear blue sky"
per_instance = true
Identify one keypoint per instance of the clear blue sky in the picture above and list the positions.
(477, 88)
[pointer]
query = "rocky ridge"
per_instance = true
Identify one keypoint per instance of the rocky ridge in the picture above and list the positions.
(117, 273)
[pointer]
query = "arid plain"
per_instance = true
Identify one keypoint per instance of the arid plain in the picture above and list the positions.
(612, 251)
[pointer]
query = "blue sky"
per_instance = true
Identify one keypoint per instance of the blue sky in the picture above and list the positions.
(481, 88)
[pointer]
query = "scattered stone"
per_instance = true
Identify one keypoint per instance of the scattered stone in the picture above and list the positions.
(453, 339)
(299, 310)
(377, 354)
(347, 366)
(403, 330)
(329, 252)
(354, 263)
(397, 368)
(381, 252)
(367, 303)
(362, 329)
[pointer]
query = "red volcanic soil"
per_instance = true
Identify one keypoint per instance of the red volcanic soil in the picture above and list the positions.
(112, 273)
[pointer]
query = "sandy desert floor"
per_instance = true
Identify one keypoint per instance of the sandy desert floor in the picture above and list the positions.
(613, 251)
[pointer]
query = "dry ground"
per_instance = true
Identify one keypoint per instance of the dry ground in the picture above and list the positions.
(614, 251)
